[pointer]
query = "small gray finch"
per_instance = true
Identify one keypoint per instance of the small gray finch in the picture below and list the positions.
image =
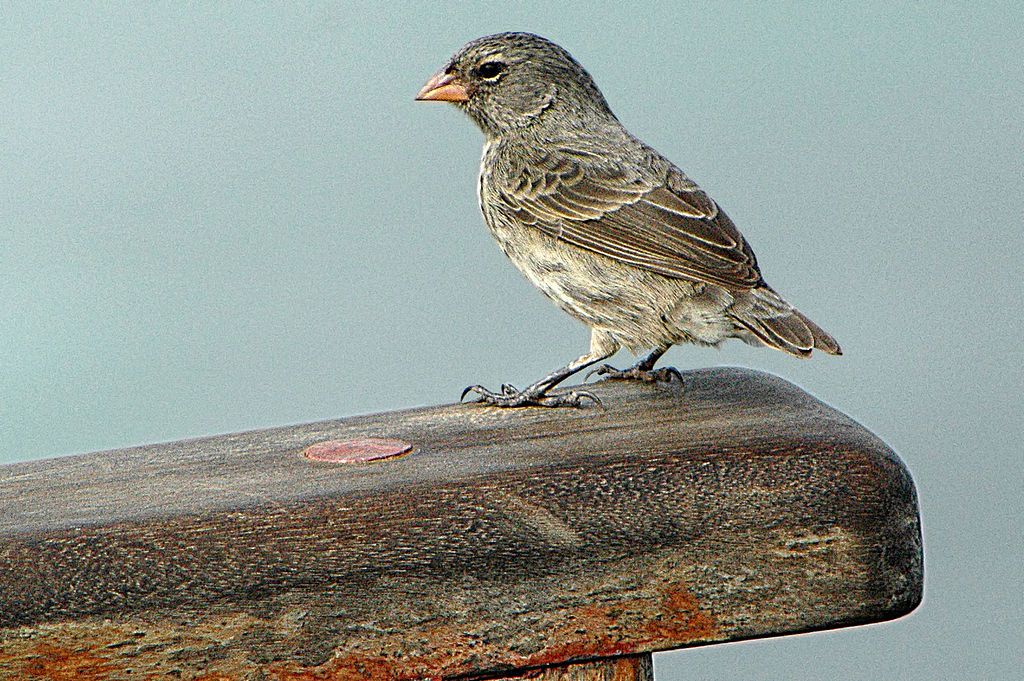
(603, 224)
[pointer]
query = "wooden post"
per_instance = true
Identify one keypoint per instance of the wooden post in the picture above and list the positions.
(460, 541)
(624, 668)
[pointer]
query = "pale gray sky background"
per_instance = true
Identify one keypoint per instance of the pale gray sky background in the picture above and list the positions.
(218, 217)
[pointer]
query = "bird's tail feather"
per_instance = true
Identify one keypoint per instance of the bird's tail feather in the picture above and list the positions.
(783, 327)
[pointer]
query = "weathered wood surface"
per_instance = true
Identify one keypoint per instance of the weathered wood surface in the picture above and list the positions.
(507, 540)
(624, 668)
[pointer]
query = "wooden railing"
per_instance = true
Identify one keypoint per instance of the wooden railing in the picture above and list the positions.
(481, 543)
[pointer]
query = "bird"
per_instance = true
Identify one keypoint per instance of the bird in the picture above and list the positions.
(608, 228)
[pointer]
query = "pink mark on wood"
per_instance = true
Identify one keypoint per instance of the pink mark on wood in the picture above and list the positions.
(360, 450)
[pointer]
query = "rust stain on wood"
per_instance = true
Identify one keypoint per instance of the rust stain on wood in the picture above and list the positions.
(628, 668)
(677, 618)
(46, 661)
(667, 615)
(593, 631)
(687, 622)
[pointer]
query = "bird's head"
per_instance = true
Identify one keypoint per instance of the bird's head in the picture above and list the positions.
(512, 81)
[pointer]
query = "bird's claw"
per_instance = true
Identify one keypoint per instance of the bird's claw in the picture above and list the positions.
(511, 397)
(662, 375)
(569, 398)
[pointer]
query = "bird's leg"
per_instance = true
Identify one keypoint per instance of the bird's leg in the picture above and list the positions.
(642, 370)
(602, 346)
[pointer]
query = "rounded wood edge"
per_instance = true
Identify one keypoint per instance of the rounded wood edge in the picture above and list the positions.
(624, 668)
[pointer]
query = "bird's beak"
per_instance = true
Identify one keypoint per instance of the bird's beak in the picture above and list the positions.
(443, 87)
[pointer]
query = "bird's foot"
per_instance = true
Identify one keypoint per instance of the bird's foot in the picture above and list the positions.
(510, 396)
(635, 373)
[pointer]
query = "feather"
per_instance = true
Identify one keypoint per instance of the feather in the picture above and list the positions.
(669, 227)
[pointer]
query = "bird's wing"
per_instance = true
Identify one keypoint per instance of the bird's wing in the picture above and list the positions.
(667, 225)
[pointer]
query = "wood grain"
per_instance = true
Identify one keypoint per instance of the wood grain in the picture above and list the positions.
(507, 540)
(625, 668)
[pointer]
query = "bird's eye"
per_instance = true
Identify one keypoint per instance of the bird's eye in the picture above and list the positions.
(489, 70)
